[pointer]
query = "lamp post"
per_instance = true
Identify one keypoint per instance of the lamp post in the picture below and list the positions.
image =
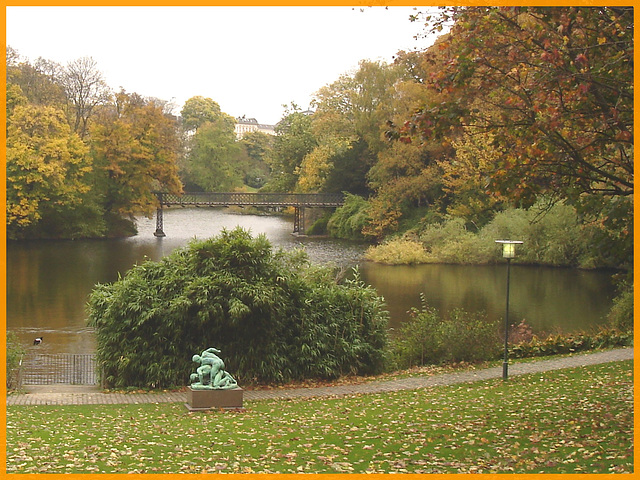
(508, 252)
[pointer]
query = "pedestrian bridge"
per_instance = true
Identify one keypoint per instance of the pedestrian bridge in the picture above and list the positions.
(299, 201)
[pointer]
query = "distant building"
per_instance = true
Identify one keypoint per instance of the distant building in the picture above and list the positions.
(246, 125)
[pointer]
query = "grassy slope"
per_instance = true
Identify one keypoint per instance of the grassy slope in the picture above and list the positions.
(575, 420)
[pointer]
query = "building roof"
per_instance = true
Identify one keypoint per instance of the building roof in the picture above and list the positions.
(246, 121)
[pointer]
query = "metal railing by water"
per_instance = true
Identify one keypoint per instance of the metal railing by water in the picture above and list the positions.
(53, 368)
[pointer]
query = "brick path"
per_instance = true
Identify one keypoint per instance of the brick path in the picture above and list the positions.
(86, 395)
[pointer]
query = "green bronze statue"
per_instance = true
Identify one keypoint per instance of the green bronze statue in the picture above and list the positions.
(211, 375)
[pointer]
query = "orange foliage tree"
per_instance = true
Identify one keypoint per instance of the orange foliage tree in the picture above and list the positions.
(553, 85)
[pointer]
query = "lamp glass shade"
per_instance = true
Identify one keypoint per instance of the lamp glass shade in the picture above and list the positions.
(509, 247)
(509, 250)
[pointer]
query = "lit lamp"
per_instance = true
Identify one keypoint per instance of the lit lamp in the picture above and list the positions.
(508, 252)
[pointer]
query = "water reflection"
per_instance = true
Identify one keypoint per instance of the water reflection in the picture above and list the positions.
(48, 283)
(548, 299)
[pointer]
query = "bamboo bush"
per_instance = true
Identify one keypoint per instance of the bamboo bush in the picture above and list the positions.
(275, 316)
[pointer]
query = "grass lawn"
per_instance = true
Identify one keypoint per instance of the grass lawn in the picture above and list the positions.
(568, 421)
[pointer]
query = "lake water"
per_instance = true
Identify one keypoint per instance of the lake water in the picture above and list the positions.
(48, 283)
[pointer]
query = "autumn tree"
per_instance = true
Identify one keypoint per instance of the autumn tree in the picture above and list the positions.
(79, 87)
(553, 85)
(357, 105)
(12, 57)
(331, 169)
(85, 90)
(135, 146)
(82, 163)
(466, 178)
(348, 124)
(38, 81)
(406, 178)
(48, 176)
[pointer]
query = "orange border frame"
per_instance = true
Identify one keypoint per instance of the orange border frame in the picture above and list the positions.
(150, 3)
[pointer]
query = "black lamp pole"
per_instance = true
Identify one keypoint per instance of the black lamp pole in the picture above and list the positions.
(508, 252)
(505, 362)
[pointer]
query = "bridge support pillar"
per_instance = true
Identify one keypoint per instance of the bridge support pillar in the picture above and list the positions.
(159, 223)
(159, 218)
(298, 220)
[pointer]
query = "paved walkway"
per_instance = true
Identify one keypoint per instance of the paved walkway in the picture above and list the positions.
(86, 395)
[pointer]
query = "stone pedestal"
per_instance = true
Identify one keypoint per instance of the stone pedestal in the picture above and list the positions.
(207, 399)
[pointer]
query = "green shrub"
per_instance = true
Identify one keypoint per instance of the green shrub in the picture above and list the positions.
(552, 235)
(434, 236)
(348, 220)
(451, 242)
(621, 314)
(319, 227)
(398, 252)
(275, 317)
(426, 338)
(15, 352)
(467, 249)
(417, 343)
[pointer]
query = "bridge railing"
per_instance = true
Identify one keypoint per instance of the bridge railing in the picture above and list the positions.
(255, 199)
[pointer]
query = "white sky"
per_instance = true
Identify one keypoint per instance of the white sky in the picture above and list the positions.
(251, 60)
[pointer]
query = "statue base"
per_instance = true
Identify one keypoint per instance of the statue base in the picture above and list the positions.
(208, 399)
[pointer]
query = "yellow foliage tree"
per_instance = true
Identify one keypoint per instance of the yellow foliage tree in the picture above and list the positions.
(466, 178)
(47, 164)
